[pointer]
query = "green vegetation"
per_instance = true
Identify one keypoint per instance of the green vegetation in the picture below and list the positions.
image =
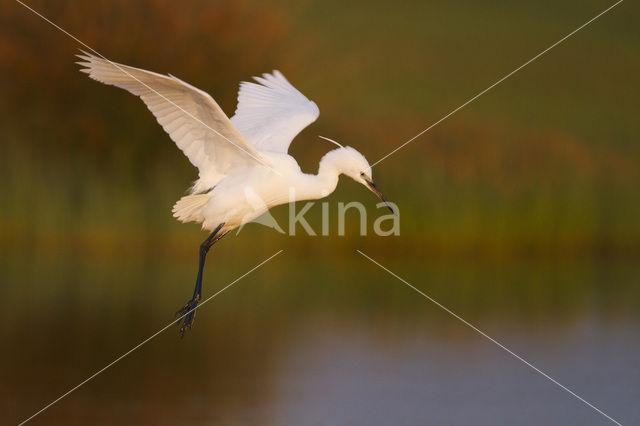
(546, 163)
(520, 213)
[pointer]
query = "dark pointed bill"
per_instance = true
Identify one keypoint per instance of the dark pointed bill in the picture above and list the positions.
(372, 186)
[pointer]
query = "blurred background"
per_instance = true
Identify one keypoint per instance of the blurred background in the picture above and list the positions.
(520, 213)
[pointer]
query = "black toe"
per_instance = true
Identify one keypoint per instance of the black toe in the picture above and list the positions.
(186, 315)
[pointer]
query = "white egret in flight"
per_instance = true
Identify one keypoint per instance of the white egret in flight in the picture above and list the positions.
(248, 151)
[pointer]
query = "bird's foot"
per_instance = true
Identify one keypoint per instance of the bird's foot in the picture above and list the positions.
(186, 315)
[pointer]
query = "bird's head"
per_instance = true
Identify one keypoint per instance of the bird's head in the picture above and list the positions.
(353, 164)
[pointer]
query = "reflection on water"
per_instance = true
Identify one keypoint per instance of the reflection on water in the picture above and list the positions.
(319, 343)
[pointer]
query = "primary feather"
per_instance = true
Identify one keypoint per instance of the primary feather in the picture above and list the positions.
(189, 115)
(270, 114)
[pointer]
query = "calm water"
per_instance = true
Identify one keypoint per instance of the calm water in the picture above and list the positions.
(315, 341)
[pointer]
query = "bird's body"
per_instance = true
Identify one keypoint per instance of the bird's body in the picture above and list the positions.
(243, 165)
(240, 198)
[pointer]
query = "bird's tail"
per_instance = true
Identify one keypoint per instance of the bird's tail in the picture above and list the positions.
(189, 207)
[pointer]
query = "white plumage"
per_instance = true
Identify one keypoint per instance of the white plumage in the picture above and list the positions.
(243, 165)
(246, 154)
(272, 113)
(190, 116)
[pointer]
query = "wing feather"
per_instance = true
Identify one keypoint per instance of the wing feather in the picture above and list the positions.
(270, 114)
(189, 115)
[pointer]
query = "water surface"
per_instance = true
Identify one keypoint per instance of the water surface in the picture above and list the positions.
(309, 339)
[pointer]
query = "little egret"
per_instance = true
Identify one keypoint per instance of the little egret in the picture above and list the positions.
(244, 154)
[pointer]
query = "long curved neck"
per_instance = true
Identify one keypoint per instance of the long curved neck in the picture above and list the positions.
(328, 174)
(323, 183)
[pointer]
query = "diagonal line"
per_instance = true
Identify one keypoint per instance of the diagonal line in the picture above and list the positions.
(499, 81)
(146, 340)
(500, 345)
(147, 86)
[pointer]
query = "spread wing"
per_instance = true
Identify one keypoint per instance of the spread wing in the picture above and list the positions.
(272, 113)
(190, 116)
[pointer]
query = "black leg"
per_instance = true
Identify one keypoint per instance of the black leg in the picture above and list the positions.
(187, 313)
